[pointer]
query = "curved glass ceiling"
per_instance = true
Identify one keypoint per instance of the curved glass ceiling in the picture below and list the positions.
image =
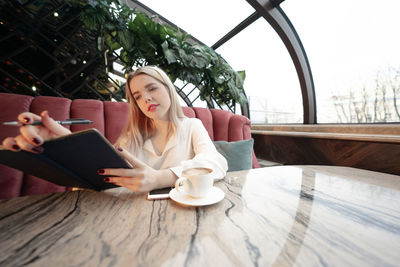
(257, 50)
(352, 50)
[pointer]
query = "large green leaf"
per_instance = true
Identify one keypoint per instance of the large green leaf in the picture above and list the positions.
(168, 53)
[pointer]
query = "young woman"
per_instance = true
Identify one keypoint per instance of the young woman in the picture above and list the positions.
(158, 140)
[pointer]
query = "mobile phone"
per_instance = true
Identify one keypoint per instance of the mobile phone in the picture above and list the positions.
(162, 193)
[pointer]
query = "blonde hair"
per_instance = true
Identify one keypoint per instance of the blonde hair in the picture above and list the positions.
(140, 127)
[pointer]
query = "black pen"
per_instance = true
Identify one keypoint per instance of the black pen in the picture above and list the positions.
(66, 122)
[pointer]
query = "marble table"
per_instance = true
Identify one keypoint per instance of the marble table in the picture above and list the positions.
(274, 216)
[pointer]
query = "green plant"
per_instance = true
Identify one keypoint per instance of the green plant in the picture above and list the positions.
(142, 41)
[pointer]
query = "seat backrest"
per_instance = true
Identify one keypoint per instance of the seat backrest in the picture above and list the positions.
(108, 117)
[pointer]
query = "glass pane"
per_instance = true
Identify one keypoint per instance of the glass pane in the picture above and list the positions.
(206, 20)
(353, 49)
(271, 82)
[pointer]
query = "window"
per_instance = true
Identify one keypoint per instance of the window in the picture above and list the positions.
(353, 49)
(271, 83)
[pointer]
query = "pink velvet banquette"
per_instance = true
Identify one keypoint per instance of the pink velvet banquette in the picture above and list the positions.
(109, 118)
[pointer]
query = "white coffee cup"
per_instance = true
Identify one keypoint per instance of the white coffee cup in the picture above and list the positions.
(195, 181)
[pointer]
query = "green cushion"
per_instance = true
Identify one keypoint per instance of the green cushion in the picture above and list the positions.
(238, 154)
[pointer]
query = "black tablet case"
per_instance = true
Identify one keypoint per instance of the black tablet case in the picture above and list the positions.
(71, 160)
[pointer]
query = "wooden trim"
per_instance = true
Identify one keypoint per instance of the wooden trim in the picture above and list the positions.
(366, 133)
(393, 129)
(292, 149)
(336, 136)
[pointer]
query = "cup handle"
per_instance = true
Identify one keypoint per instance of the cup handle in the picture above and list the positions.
(178, 183)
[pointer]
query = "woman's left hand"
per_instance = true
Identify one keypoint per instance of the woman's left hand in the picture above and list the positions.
(142, 178)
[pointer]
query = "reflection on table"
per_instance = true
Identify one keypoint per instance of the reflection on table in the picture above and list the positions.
(274, 216)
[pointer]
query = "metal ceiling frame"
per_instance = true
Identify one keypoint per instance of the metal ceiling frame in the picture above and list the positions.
(275, 16)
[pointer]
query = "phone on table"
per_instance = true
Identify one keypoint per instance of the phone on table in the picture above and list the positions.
(162, 193)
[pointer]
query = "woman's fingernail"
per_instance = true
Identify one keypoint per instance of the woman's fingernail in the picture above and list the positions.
(101, 171)
(44, 113)
(38, 149)
(26, 120)
(120, 148)
(106, 179)
(36, 141)
(16, 147)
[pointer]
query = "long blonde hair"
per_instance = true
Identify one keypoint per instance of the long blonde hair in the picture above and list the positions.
(140, 127)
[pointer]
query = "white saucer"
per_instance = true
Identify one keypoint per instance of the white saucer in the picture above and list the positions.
(215, 196)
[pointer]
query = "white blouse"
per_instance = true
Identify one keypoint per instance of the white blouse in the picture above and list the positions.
(190, 144)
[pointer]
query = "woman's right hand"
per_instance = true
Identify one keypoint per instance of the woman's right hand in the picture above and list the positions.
(31, 137)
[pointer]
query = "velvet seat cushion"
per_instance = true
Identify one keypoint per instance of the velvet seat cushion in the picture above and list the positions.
(109, 118)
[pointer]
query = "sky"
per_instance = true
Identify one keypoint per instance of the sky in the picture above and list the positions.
(347, 44)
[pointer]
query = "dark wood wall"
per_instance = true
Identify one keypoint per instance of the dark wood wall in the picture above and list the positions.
(294, 150)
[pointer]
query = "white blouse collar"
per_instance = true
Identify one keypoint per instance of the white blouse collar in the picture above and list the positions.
(148, 145)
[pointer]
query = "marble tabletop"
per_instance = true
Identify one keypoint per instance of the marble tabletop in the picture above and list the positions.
(274, 216)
